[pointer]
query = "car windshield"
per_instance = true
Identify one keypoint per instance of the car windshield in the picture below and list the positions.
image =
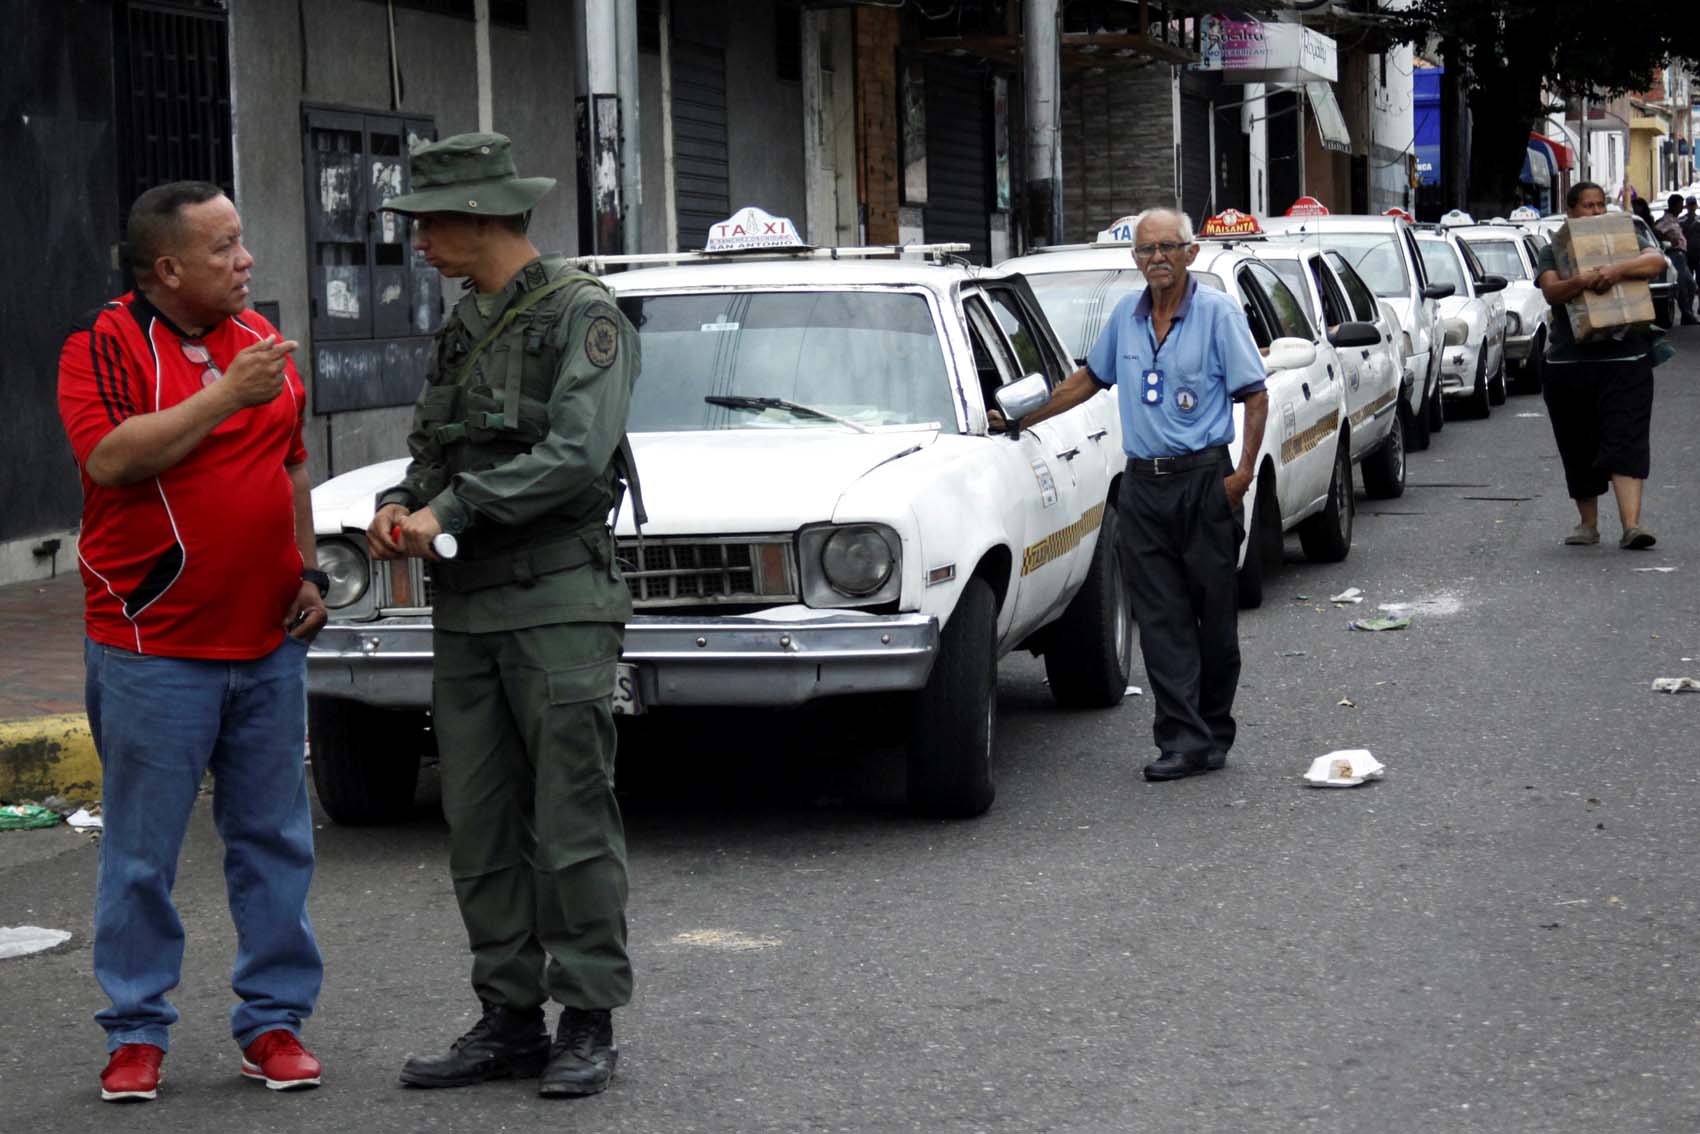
(1376, 258)
(1442, 264)
(1292, 274)
(1077, 303)
(871, 357)
(1499, 258)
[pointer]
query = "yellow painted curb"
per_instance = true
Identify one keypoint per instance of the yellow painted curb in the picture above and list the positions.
(47, 756)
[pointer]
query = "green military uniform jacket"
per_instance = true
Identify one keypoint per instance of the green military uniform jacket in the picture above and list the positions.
(517, 459)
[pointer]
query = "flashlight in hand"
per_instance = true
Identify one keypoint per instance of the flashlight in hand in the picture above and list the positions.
(444, 544)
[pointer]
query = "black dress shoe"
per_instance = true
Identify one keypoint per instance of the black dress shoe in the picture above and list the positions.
(505, 1043)
(583, 1056)
(1217, 761)
(1176, 766)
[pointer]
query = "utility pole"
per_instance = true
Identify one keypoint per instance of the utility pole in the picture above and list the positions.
(631, 147)
(600, 231)
(1041, 80)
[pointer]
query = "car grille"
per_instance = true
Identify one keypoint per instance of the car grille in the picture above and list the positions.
(665, 573)
(693, 572)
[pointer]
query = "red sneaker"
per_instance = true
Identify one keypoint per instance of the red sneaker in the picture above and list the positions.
(278, 1060)
(132, 1074)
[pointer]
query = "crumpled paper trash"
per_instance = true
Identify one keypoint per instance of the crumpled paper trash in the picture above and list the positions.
(1379, 624)
(22, 940)
(1349, 595)
(1348, 767)
(82, 818)
(1676, 685)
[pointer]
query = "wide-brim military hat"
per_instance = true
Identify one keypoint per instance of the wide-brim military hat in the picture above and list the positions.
(468, 173)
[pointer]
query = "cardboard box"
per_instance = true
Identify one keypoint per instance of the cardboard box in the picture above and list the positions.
(1596, 242)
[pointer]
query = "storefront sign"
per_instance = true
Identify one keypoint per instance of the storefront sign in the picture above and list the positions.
(1246, 51)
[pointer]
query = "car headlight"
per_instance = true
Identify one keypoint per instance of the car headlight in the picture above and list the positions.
(850, 565)
(1513, 323)
(346, 565)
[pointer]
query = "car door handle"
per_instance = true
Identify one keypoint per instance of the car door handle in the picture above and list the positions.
(1097, 434)
(1305, 386)
(1069, 454)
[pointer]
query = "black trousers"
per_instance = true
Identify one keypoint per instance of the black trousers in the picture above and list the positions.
(1601, 415)
(1180, 549)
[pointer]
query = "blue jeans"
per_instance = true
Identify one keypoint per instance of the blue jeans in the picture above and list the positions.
(159, 724)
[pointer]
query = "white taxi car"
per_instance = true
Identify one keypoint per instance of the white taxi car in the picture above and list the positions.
(1381, 249)
(1335, 297)
(1505, 250)
(1303, 476)
(828, 516)
(1472, 372)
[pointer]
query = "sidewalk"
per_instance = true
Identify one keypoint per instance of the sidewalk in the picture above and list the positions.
(45, 748)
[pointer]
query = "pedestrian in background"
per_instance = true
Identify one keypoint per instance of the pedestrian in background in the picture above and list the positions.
(1599, 394)
(1179, 355)
(184, 413)
(1691, 234)
(1669, 229)
(519, 451)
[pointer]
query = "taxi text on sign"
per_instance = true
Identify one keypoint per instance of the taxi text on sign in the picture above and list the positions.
(750, 229)
(1232, 222)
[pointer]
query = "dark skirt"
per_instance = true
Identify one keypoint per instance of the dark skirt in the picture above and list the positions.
(1602, 413)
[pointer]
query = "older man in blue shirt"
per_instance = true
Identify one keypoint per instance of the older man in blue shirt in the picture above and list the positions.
(1179, 356)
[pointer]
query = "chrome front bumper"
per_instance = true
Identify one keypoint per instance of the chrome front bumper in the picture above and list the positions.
(783, 657)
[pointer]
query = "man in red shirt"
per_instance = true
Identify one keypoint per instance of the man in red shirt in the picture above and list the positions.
(184, 412)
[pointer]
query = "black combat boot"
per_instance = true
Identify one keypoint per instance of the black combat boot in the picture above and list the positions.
(583, 1056)
(504, 1043)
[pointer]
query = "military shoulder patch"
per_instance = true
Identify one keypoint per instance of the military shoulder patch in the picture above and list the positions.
(602, 341)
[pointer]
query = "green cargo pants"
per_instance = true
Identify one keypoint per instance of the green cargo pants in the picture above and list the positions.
(525, 731)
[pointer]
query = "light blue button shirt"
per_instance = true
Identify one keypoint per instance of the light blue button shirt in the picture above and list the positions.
(1177, 398)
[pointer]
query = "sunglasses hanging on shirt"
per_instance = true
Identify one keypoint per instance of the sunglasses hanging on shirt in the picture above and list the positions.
(199, 354)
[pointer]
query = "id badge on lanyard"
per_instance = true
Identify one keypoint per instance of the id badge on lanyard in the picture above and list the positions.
(1151, 387)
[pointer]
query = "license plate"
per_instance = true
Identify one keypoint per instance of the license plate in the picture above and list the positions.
(628, 702)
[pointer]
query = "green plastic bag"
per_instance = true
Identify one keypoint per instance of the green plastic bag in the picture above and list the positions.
(23, 816)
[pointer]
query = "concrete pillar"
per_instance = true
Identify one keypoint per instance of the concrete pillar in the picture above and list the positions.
(1041, 80)
(599, 168)
(631, 120)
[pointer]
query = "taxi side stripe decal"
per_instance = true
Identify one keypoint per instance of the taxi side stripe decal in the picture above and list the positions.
(1301, 443)
(1061, 541)
(1373, 408)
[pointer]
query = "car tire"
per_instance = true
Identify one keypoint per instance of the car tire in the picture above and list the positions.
(1436, 407)
(1327, 536)
(1263, 534)
(1416, 425)
(1384, 469)
(1496, 385)
(1091, 645)
(1477, 405)
(365, 760)
(1529, 375)
(949, 762)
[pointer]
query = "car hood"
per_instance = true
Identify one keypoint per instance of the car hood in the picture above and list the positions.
(757, 480)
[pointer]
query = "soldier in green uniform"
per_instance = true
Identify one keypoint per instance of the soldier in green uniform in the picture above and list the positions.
(519, 452)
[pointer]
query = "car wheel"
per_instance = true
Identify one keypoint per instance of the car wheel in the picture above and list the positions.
(1529, 377)
(1092, 643)
(950, 736)
(1436, 406)
(1496, 386)
(365, 760)
(1263, 535)
(1327, 536)
(1384, 469)
(1477, 404)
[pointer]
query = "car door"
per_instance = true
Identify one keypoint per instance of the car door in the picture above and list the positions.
(1043, 496)
(1358, 384)
(1493, 302)
(1371, 402)
(1309, 421)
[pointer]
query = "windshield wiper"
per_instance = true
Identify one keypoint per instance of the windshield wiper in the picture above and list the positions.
(750, 402)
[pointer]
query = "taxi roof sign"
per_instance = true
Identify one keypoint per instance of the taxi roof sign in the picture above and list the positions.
(1120, 231)
(1307, 207)
(1456, 217)
(1231, 222)
(1403, 215)
(752, 230)
(1525, 213)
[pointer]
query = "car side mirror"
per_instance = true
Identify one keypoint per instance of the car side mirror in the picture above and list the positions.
(1289, 354)
(1355, 335)
(1489, 284)
(1457, 332)
(1438, 290)
(1020, 398)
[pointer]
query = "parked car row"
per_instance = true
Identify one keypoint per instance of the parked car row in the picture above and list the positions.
(830, 514)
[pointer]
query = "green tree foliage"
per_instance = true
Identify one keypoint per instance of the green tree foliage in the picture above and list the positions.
(1515, 53)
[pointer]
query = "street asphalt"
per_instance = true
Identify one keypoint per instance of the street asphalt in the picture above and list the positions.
(1503, 935)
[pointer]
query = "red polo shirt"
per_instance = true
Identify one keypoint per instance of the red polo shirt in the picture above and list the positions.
(199, 561)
